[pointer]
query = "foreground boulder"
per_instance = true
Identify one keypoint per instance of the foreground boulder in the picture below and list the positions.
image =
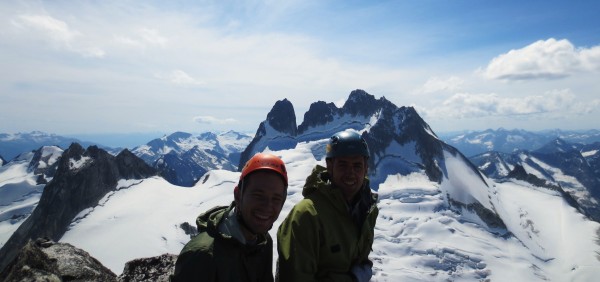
(149, 269)
(45, 260)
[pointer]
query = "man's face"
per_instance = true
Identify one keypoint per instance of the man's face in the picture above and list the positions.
(262, 200)
(348, 174)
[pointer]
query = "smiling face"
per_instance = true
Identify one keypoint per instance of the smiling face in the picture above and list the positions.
(261, 200)
(347, 174)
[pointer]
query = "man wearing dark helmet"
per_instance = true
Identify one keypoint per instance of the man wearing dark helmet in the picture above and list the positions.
(328, 235)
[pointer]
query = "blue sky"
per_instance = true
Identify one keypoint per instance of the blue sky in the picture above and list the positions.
(91, 67)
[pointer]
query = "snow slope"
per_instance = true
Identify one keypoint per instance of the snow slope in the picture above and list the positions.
(417, 237)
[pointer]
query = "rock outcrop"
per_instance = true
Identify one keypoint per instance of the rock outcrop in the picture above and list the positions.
(45, 260)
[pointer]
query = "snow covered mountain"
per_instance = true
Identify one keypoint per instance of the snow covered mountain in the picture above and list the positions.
(182, 158)
(507, 141)
(13, 144)
(418, 236)
(572, 167)
(21, 184)
(440, 218)
(82, 178)
(399, 140)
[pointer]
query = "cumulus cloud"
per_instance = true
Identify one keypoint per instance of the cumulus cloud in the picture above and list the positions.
(437, 84)
(465, 105)
(57, 31)
(213, 120)
(545, 59)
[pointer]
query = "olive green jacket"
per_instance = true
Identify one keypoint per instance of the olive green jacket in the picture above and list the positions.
(215, 256)
(320, 240)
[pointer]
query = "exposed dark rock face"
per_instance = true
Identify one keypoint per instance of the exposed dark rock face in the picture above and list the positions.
(45, 260)
(82, 178)
(282, 117)
(319, 113)
(158, 269)
(277, 132)
(362, 103)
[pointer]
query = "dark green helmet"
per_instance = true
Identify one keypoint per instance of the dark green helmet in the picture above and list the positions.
(347, 143)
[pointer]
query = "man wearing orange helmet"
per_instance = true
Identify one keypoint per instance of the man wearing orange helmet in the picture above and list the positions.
(233, 243)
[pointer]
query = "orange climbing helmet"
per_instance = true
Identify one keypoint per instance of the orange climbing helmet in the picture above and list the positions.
(265, 161)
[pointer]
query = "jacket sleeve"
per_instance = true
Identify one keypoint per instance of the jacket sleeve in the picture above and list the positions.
(298, 246)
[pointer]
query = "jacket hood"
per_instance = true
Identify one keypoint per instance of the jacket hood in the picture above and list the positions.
(210, 220)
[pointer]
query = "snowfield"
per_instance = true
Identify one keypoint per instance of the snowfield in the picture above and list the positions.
(417, 238)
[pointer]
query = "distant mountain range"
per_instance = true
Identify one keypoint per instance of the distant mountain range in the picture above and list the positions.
(442, 216)
(501, 140)
(13, 144)
(572, 168)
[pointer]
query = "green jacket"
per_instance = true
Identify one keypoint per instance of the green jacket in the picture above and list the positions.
(320, 240)
(215, 256)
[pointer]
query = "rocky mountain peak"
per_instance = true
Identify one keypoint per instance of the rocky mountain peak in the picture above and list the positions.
(361, 103)
(283, 118)
(319, 113)
(558, 145)
(277, 132)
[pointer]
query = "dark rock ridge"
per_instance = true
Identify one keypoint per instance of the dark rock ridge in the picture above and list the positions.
(46, 260)
(82, 178)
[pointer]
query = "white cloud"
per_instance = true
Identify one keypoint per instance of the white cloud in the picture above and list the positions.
(437, 84)
(57, 31)
(213, 120)
(54, 28)
(547, 59)
(465, 105)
